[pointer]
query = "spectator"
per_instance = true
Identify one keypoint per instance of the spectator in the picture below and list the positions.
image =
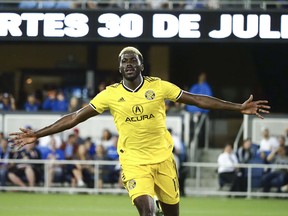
(201, 87)
(21, 172)
(267, 144)
(73, 172)
(136, 4)
(61, 104)
(79, 139)
(84, 173)
(158, 4)
(64, 5)
(179, 148)
(74, 104)
(282, 141)
(28, 4)
(227, 169)
(91, 5)
(107, 139)
(194, 4)
(55, 171)
(32, 105)
(100, 155)
(277, 177)
(44, 142)
(213, 4)
(111, 152)
(244, 155)
(2, 135)
(86, 5)
(70, 147)
(90, 148)
(7, 102)
(112, 174)
(5, 153)
(50, 100)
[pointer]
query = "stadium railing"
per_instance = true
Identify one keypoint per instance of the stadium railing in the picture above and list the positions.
(171, 4)
(200, 189)
(196, 189)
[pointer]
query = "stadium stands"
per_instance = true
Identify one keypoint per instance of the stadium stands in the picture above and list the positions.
(146, 4)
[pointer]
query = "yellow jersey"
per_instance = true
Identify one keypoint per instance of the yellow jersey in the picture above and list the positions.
(140, 119)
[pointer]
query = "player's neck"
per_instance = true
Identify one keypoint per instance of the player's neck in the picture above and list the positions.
(133, 85)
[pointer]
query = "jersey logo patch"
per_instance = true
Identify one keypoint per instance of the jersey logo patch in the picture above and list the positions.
(131, 184)
(121, 99)
(150, 95)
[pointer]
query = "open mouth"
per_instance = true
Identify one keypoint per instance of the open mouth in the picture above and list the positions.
(130, 70)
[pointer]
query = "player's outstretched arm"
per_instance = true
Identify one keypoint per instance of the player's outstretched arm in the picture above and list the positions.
(27, 136)
(249, 107)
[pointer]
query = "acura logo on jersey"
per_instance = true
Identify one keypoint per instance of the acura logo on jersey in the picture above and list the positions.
(139, 118)
(137, 109)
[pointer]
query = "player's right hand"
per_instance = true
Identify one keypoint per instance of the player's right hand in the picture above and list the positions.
(20, 139)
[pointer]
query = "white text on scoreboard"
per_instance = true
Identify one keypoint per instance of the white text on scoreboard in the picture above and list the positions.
(133, 25)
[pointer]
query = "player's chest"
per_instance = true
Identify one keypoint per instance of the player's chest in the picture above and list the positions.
(137, 103)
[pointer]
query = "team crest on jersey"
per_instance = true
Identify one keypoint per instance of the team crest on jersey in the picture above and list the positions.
(131, 184)
(149, 95)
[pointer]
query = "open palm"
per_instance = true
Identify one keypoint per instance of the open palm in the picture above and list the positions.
(26, 136)
(251, 107)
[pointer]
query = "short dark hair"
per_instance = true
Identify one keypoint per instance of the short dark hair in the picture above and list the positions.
(133, 50)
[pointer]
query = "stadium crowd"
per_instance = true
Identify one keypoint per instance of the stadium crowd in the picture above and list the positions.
(139, 4)
(54, 148)
(270, 150)
(74, 147)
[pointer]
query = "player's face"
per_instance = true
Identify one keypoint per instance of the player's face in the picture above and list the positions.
(130, 66)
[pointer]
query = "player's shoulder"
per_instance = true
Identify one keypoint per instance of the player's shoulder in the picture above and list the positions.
(151, 79)
(110, 90)
(114, 86)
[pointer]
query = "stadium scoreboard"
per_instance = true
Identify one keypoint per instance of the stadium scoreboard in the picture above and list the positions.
(143, 26)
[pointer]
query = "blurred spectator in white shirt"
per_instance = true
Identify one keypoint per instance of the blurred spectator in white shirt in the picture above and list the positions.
(268, 143)
(227, 169)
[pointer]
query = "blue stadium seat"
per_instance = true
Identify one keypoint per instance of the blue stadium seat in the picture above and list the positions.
(63, 5)
(257, 173)
(28, 5)
(48, 5)
(44, 151)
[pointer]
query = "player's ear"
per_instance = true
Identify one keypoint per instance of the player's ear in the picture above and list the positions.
(142, 67)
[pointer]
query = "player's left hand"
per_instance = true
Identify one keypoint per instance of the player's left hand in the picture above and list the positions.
(251, 107)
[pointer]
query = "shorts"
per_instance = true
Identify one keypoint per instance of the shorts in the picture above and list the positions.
(152, 179)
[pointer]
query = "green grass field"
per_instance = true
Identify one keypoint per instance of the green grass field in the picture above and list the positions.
(30, 204)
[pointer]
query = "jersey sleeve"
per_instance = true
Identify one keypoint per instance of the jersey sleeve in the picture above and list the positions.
(100, 101)
(171, 91)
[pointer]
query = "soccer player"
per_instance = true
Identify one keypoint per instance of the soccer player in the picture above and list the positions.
(145, 145)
